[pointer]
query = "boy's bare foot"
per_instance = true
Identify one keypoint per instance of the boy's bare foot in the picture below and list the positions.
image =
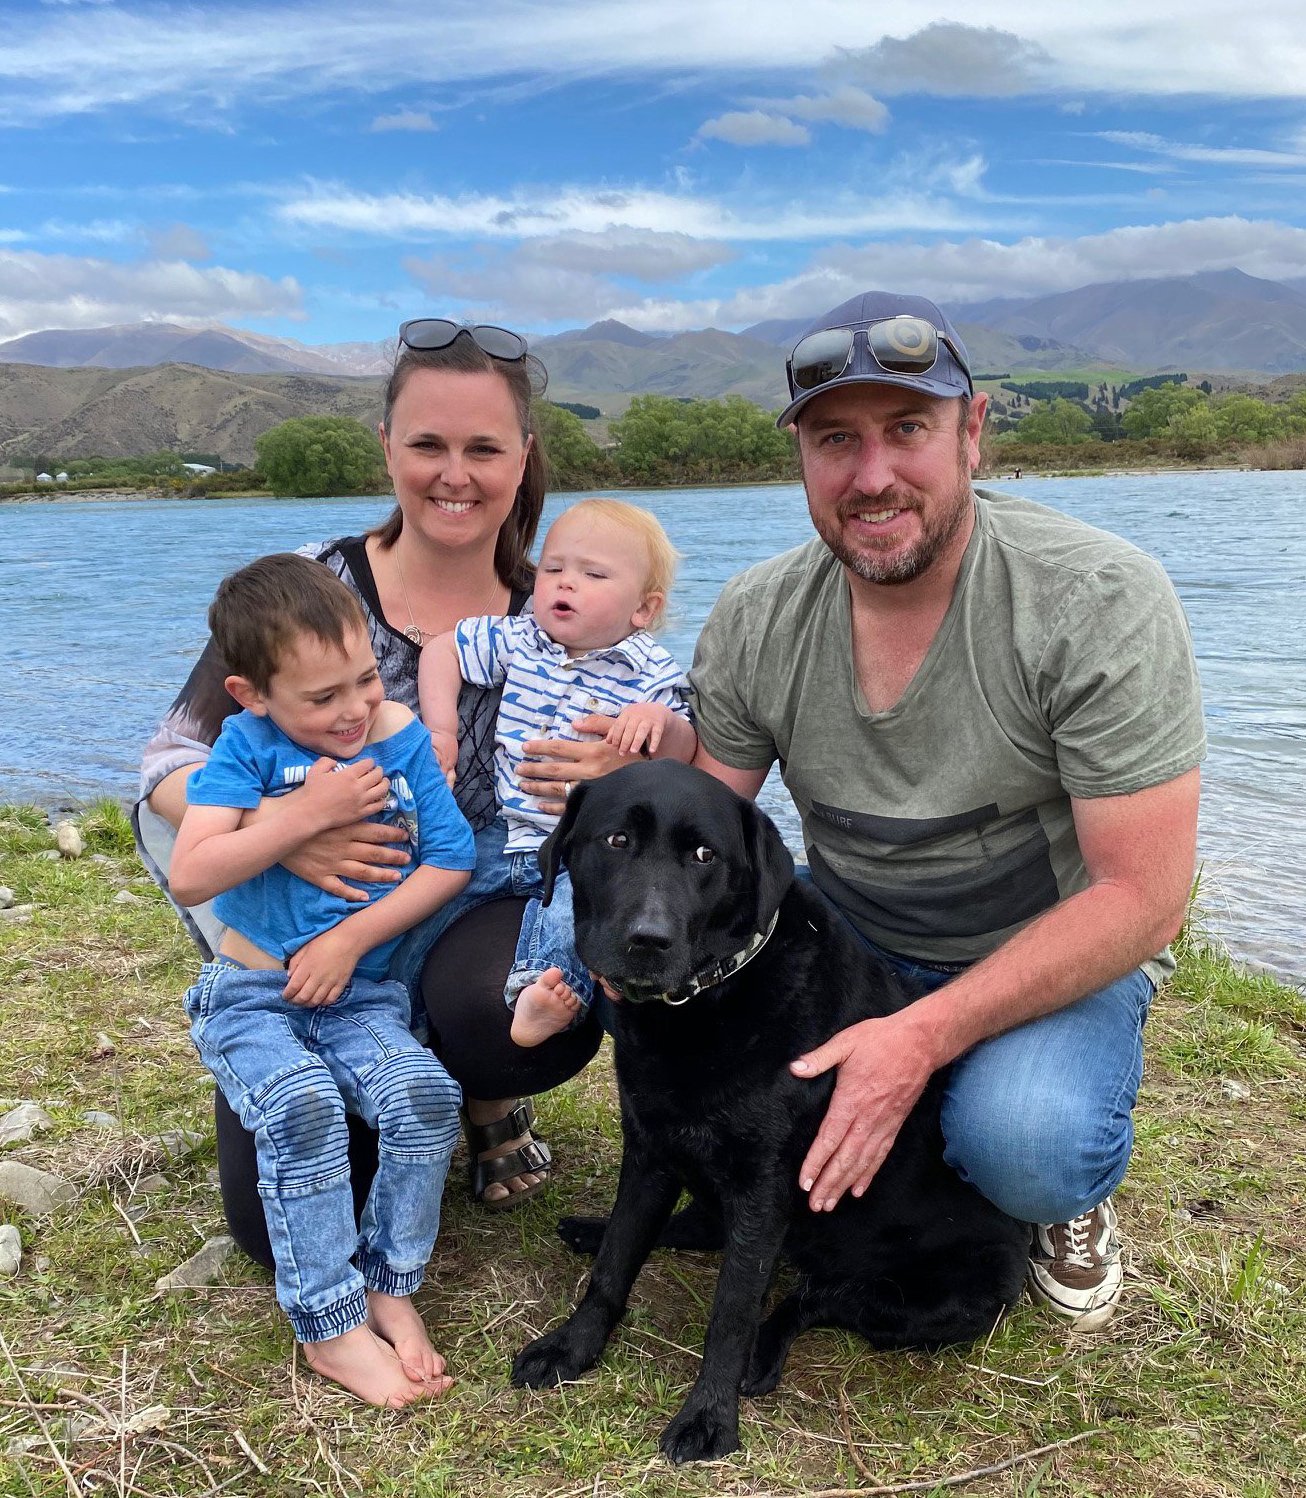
(395, 1320)
(543, 1008)
(360, 1362)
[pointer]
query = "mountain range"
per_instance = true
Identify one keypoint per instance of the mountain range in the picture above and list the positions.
(141, 387)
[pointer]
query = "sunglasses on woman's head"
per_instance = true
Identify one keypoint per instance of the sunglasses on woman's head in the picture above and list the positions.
(439, 332)
(903, 345)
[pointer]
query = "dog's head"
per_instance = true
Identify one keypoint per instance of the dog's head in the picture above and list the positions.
(670, 870)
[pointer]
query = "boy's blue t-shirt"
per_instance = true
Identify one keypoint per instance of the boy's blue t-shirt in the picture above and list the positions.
(278, 911)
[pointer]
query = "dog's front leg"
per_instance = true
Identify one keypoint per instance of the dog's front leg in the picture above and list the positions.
(646, 1194)
(708, 1423)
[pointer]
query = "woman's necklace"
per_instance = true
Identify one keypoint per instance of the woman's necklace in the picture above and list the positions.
(413, 630)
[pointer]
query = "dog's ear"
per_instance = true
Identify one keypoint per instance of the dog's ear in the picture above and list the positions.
(770, 858)
(553, 850)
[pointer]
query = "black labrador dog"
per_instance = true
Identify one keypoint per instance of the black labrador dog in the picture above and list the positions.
(727, 969)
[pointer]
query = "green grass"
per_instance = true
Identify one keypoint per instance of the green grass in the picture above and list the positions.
(1197, 1388)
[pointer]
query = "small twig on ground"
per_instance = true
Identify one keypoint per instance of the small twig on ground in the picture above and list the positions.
(131, 1226)
(40, 1420)
(928, 1484)
(846, 1425)
(122, 1400)
(251, 1453)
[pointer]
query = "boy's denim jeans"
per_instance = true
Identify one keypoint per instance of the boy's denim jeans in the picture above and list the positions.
(290, 1074)
(548, 935)
(1039, 1119)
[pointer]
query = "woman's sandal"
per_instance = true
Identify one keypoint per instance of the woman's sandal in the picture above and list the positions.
(532, 1158)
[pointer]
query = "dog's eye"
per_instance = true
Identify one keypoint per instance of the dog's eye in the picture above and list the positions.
(704, 855)
(616, 839)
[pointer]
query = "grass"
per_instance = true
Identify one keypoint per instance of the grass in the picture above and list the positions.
(1198, 1387)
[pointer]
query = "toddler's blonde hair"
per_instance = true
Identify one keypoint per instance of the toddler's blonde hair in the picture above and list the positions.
(662, 555)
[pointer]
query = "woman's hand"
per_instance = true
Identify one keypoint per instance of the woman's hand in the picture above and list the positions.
(361, 852)
(555, 765)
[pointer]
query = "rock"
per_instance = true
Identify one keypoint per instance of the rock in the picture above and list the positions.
(125, 897)
(52, 855)
(99, 1120)
(22, 1122)
(1235, 1091)
(153, 1417)
(11, 1251)
(103, 1047)
(178, 1143)
(6, 897)
(69, 840)
(150, 1185)
(17, 915)
(100, 858)
(36, 1191)
(201, 1268)
(41, 1263)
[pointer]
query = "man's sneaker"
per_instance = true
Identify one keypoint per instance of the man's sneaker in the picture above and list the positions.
(1074, 1267)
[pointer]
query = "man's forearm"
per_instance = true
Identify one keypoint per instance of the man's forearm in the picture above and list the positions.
(679, 740)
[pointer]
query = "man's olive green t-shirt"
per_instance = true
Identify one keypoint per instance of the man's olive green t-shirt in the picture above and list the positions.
(1063, 667)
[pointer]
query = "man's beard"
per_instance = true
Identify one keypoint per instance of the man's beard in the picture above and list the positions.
(900, 566)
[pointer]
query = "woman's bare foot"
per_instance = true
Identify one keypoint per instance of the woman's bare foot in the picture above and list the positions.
(365, 1365)
(395, 1320)
(543, 1008)
(483, 1111)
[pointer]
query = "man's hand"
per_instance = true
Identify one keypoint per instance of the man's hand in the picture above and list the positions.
(360, 852)
(555, 764)
(320, 969)
(884, 1065)
(336, 794)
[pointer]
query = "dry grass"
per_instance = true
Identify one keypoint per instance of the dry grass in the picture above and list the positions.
(1198, 1388)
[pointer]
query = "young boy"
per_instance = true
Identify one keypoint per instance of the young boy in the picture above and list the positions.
(293, 1017)
(602, 583)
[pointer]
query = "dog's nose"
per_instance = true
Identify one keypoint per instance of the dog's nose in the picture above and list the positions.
(648, 937)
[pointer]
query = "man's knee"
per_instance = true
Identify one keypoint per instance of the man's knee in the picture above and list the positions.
(298, 1119)
(1047, 1160)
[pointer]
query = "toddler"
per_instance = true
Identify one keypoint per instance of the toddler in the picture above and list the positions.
(293, 1016)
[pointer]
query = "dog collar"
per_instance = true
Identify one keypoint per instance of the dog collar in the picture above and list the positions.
(708, 977)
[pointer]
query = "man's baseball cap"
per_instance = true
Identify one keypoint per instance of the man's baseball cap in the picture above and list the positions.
(878, 338)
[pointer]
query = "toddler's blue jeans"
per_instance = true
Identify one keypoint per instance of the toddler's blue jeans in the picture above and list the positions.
(290, 1074)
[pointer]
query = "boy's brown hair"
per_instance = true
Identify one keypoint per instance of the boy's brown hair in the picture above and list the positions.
(260, 610)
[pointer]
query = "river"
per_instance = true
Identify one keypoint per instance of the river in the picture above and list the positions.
(102, 612)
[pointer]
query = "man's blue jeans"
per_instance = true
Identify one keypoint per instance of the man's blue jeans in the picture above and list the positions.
(548, 936)
(1039, 1119)
(290, 1074)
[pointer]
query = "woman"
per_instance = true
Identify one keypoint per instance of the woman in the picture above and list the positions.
(469, 482)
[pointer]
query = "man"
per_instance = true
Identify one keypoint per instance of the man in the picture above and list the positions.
(988, 716)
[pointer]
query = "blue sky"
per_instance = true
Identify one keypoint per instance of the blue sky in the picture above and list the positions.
(321, 171)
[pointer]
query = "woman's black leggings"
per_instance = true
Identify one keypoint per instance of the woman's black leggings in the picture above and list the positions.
(462, 986)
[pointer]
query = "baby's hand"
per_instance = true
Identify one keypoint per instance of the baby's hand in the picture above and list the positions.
(320, 970)
(638, 729)
(445, 745)
(338, 795)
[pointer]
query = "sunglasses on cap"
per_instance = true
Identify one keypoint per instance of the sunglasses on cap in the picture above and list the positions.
(439, 332)
(902, 345)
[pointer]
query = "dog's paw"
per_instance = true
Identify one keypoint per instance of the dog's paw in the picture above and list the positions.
(583, 1234)
(701, 1435)
(551, 1359)
(761, 1377)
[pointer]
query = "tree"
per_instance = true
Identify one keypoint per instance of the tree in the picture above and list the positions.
(1242, 418)
(1151, 409)
(1059, 421)
(664, 440)
(575, 460)
(319, 455)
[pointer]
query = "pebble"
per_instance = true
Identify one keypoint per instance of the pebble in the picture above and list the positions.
(69, 840)
(100, 858)
(178, 1143)
(6, 897)
(103, 1047)
(148, 1185)
(125, 897)
(17, 915)
(1235, 1091)
(18, 1125)
(201, 1268)
(11, 1251)
(99, 1120)
(51, 855)
(36, 1191)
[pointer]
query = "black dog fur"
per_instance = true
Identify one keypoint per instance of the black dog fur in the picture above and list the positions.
(671, 871)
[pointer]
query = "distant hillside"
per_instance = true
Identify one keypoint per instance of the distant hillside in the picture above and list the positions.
(82, 413)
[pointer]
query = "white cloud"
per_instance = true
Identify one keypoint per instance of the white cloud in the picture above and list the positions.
(902, 201)
(177, 242)
(405, 119)
(64, 291)
(849, 106)
(1211, 155)
(515, 291)
(752, 127)
(644, 254)
(165, 57)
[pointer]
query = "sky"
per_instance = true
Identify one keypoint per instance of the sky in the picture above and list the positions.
(321, 171)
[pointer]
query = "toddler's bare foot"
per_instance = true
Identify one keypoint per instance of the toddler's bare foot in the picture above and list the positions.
(543, 1008)
(395, 1320)
(365, 1365)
